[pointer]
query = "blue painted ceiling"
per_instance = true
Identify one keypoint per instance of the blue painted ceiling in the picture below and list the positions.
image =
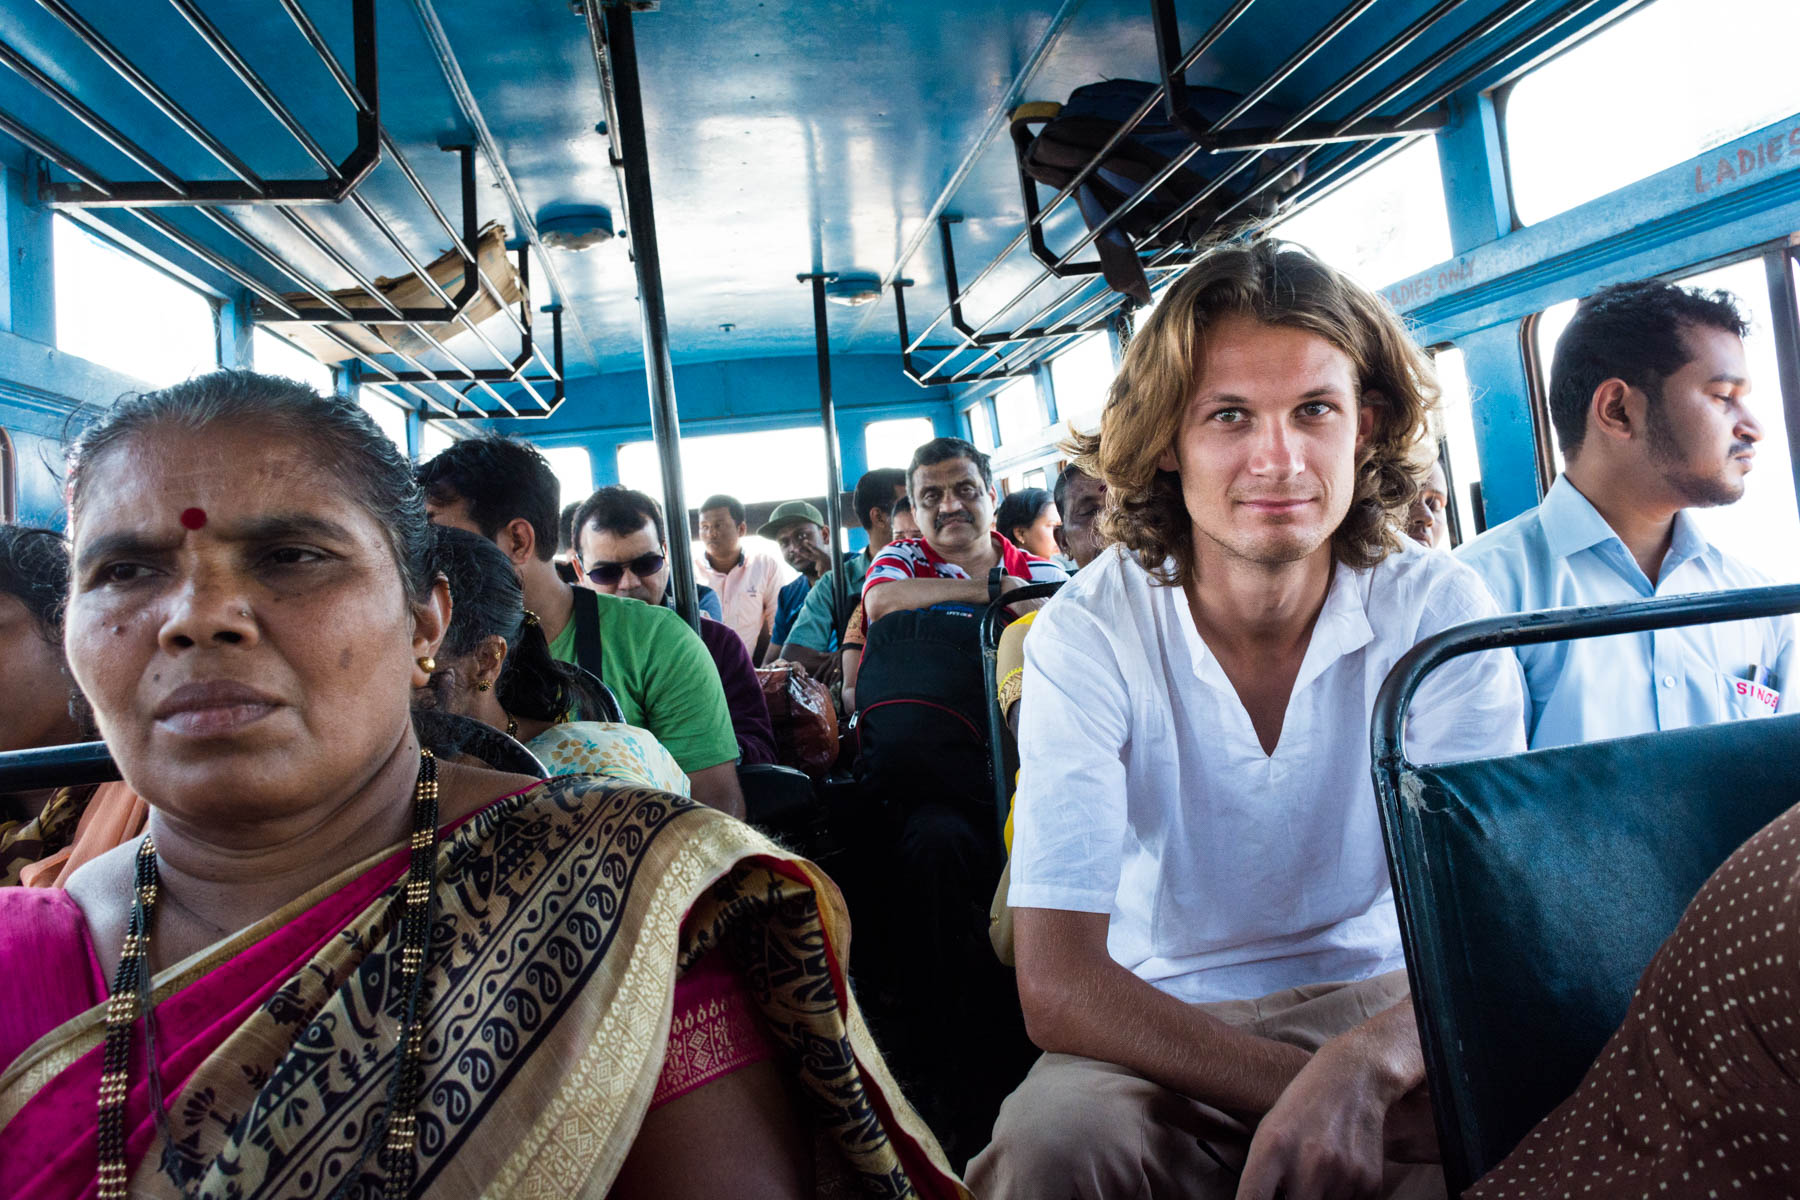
(785, 136)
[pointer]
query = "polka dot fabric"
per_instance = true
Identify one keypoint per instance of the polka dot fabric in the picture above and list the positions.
(1698, 1093)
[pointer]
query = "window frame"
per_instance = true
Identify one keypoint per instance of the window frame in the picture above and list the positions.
(9, 478)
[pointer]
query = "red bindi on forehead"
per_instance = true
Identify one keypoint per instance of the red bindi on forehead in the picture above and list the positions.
(193, 518)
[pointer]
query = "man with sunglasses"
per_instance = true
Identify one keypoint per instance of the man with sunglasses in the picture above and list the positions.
(664, 680)
(620, 550)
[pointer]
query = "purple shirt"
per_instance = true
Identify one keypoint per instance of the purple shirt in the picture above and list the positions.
(743, 692)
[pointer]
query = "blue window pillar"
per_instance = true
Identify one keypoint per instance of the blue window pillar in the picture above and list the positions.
(237, 333)
(1473, 167)
(30, 293)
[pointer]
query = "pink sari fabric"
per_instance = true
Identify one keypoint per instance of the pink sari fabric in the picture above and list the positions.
(49, 974)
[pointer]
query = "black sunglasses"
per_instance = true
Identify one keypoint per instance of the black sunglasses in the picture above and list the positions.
(609, 573)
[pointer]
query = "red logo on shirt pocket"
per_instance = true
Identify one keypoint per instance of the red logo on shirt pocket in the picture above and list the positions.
(1758, 694)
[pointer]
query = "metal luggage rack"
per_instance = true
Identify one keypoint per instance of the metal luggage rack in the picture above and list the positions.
(1334, 148)
(441, 393)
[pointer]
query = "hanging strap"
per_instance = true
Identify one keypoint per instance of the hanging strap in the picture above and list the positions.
(587, 634)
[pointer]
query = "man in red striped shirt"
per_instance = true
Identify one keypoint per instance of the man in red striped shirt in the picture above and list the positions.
(952, 491)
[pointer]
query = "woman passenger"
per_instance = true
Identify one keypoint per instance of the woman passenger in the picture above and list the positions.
(39, 830)
(495, 666)
(1029, 519)
(340, 967)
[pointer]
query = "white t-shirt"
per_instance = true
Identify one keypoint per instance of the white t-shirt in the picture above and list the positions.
(1145, 794)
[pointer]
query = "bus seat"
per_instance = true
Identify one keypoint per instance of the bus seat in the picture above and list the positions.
(777, 799)
(1533, 890)
(1005, 751)
(609, 710)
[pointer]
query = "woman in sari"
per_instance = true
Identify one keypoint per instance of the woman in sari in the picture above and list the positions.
(339, 967)
(495, 666)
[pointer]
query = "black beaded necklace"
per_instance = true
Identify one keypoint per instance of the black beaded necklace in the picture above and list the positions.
(397, 1131)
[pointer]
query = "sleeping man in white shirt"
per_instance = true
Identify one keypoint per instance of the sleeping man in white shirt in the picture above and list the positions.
(1205, 933)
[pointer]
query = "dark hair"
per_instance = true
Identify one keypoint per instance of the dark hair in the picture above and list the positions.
(1629, 331)
(486, 599)
(732, 503)
(944, 449)
(876, 490)
(1019, 509)
(620, 511)
(1061, 492)
(503, 480)
(34, 570)
(367, 465)
(565, 527)
(902, 505)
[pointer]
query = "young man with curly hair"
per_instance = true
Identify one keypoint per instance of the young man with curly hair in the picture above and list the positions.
(1204, 929)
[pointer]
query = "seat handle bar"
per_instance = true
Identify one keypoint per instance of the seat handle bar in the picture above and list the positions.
(1387, 724)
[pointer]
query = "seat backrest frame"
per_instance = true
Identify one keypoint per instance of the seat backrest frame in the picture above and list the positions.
(1396, 779)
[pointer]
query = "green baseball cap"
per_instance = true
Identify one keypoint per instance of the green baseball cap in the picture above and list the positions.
(785, 514)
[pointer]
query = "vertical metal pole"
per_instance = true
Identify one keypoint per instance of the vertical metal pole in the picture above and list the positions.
(640, 213)
(828, 421)
(1784, 321)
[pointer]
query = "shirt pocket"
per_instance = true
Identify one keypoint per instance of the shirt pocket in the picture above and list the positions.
(1744, 698)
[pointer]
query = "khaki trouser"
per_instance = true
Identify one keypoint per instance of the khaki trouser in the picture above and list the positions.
(1089, 1130)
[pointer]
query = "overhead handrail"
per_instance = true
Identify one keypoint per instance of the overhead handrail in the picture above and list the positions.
(1361, 127)
(247, 186)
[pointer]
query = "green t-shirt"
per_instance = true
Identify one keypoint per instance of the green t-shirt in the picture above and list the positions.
(663, 676)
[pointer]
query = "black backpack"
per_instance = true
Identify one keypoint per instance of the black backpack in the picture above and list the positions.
(921, 717)
(1053, 142)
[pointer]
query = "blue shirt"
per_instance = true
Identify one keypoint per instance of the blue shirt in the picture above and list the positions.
(1563, 553)
(788, 602)
(709, 601)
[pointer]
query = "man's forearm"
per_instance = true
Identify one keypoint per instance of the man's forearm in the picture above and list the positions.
(1082, 1004)
(1389, 1043)
(899, 594)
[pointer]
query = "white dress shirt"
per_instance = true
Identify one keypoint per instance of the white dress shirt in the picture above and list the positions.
(1230, 873)
(1563, 553)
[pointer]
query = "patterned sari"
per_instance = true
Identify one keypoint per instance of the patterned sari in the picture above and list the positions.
(565, 914)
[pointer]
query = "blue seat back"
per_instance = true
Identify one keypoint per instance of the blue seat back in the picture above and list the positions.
(1533, 890)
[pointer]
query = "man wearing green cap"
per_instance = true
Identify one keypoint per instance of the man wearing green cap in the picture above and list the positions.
(799, 529)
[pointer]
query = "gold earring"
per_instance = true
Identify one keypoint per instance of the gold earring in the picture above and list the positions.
(426, 663)
(483, 686)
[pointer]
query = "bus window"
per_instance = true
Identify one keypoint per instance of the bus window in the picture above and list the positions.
(1080, 377)
(978, 428)
(769, 464)
(433, 441)
(1763, 528)
(1545, 331)
(114, 309)
(1669, 81)
(277, 356)
(574, 469)
(1383, 225)
(389, 417)
(891, 443)
(1021, 416)
(1456, 412)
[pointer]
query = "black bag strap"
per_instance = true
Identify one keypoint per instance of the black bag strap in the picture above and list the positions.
(587, 634)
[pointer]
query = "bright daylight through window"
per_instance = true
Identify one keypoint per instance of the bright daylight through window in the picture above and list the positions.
(771, 464)
(114, 309)
(1081, 376)
(273, 355)
(891, 443)
(1667, 82)
(1387, 223)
